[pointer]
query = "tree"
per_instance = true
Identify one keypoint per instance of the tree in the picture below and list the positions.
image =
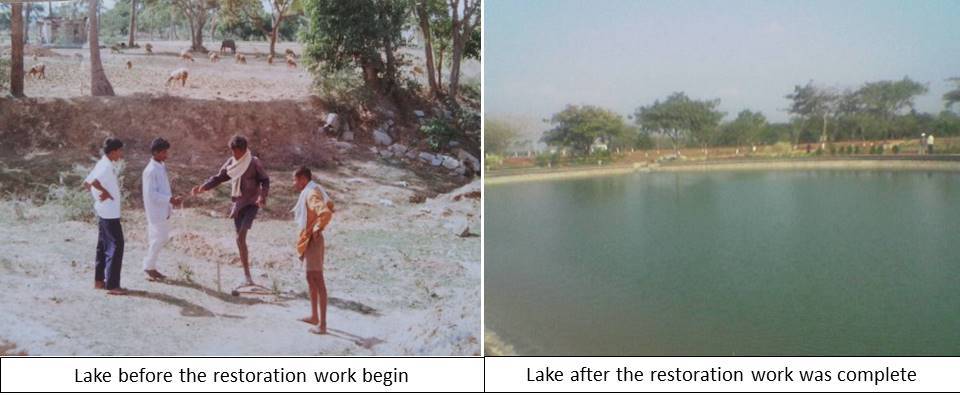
(679, 118)
(578, 127)
(462, 28)
(16, 50)
(197, 12)
(343, 35)
(747, 128)
(133, 23)
(252, 10)
(99, 85)
(812, 102)
(498, 135)
(426, 11)
(953, 96)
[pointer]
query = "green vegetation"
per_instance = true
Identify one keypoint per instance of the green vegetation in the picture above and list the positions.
(578, 127)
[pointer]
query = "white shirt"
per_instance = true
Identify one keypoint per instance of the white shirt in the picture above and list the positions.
(156, 192)
(106, 173)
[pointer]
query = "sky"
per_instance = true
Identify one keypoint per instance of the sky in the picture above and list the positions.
(540, 55)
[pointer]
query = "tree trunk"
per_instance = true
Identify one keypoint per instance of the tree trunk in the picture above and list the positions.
(99, 85)
(440, 69)
(273, 40)
(133, 23)
(213, 27)
(391, 64)
(196, 36)
(16, 50)
(458, 43)
(424, 19)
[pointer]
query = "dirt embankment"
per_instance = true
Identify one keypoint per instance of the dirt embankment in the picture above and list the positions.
(43, 138)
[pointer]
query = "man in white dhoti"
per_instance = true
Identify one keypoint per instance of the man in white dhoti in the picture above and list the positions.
(158, 202)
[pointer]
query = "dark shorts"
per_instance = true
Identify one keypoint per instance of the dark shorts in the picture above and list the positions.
(244, 218)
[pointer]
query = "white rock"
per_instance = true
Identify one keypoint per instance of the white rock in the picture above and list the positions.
(398, 149)
(386, 153)
(419, 113)
(381, 137)
(450, 162)
(386, 202)
(436, 161)
(426, 157)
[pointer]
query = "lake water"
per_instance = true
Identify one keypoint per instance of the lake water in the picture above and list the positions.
(726, 263)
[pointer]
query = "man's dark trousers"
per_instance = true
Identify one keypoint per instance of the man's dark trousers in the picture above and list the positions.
(109, 252)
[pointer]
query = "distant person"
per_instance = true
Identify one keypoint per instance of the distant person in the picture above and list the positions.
(930, 143)
(923, 143)
(249, 185)
(158, 202)
(105, 188)
(312, 213)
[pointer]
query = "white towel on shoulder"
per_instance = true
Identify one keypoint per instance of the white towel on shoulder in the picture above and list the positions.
(235, 169)
(300, 209)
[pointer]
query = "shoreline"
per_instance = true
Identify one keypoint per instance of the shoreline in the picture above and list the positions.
(941, 163)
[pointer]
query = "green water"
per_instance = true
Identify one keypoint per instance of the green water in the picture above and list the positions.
(726, 263)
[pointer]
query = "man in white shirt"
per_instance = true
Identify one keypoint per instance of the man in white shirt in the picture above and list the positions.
(158, 202)
(105, 188)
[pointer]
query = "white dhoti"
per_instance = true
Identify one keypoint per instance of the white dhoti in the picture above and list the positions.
(158, 233)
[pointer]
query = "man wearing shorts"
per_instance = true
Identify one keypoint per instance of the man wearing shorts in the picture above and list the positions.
(249, 185)
(312, 213)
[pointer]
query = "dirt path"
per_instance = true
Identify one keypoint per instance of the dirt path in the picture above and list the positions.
(401, 281)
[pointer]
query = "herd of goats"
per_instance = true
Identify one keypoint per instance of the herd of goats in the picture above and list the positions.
(38, 70)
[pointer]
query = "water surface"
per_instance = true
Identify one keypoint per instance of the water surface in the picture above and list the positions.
(727, 263)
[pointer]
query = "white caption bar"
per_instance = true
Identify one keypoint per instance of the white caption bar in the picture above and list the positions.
(733, 374)
(25, 374)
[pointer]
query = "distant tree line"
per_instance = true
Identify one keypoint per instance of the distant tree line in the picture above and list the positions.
(877, 110)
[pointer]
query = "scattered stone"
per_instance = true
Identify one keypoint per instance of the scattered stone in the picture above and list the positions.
(468, 160)
(427, 157)
(386, 153)
(412, 154)
(398, 149)
(419, 113)
(386, 202)
(450, 162)
(436, 161)
(347, 136)
(381, 137)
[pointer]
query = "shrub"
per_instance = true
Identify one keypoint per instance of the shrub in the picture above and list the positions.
(819, 151)
(896, 149)
(4, 72)
(492, 161)
(76, 203)
(438, 132)
(880, 150)
(345, 88)
(833, 149)
(856, 149)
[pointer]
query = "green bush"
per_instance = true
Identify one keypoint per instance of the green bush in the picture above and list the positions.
(493, 161)
(880, 150)
(833, 149)
(344, 88)
(856, 149)
(4, 73)
(438, 132)
(819, 151)
(896, 149)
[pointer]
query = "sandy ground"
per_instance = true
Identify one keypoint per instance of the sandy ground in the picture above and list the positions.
(401, 280)
(69, 76)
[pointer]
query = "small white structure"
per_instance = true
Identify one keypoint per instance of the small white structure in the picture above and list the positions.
(599, 144)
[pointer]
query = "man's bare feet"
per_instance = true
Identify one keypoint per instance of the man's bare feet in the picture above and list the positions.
(99, 285)
(117, 292)
(155, 275)
(313, 321)
(319, 330)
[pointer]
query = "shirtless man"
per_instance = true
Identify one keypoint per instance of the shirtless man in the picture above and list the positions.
(313, 212)
(249, 185)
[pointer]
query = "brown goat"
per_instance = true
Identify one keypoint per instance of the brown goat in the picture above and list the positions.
(129, 65)
(38, 71)
(185, 55)
(181, 75)
(214, 57)
(240, 58)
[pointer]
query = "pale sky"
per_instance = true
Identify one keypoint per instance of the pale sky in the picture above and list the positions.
(543, 54)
